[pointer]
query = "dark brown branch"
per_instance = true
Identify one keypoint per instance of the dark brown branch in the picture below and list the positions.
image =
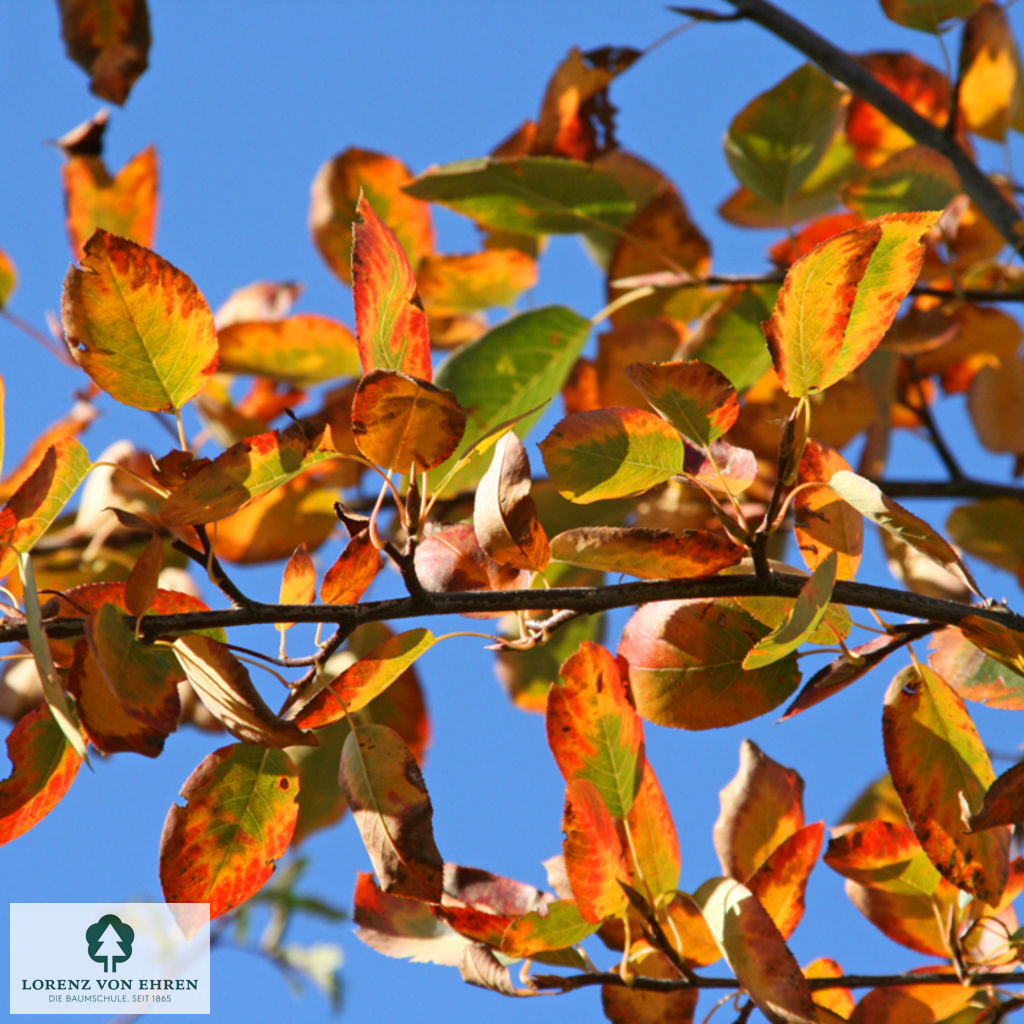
(586, 600)
(924, 412)
(576, 981)
(844, 68)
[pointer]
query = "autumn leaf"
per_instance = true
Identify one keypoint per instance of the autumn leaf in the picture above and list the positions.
(404, 424)
(927, 15)
(1003, 803)
(780, 883)
(238, 819)
(973, 674)
(137, 325)
(43, 766)
(838, 301)
(8, 278)
(298, 582)
(352, 572)
(593, 730)
(655, 841)
(938, 764)
(458, 285)
(391, 326)
(142, 584)
(555, 926)
(392, 809)
(639, 1006)
(109, 40)
(504, 515)
(991, 86)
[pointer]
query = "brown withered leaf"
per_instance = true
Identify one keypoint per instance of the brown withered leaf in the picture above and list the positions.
(141, 586)
(391, 807)
(505, 515)
(224, 686)
(109, 40)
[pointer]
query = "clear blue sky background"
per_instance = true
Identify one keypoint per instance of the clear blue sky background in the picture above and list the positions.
(244, 102)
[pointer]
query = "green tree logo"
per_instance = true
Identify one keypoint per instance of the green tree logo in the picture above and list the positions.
(110, 942)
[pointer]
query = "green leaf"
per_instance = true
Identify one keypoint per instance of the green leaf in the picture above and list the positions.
(917, 178)
(558, 926)
(533, 195)
(611, 453)
(780, 137)
(730, 338)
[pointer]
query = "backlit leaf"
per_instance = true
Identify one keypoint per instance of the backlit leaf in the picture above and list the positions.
(781, 881)
(109, 40)
(593, 729)
(391, 326)
(655, 839)
(298, 582)
(126, 692)
(974, 674)
(807, 612)
(504, 515)
(137, 325)
(775, 142)
(649, 554)
(611, 453)
(332, 209)
(938, 761)
(43, 766)
(994, 400)
(241, 474)
(402, 423)
(639, 1006)
(839, 1000)
(838, 301)
(37, 502)
(457, 285)
(594, 858)
(917, 178)
(8, 278)
(987, 530)
(353, 571)
(756, 951)
(868, 499)
(911, 1004)
(729, 337)
(223, 685)
(685, 665)
(991, 90)
(761, 808)
(125, 204)
(693, 396)
(1004, 801)
(238, 819)
(301, 350)
(390, 804)
(927, 15)
(141, 586)
(364, 680)
(824, 524)
(533, 195)
(557, 926)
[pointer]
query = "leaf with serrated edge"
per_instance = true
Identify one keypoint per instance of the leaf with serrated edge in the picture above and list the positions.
(391, 807)
(938, 765)
(43, 766)
(868, 499)
(756, 951)
(593, 730)
(137, 325)
(220, 848)
(391, 327)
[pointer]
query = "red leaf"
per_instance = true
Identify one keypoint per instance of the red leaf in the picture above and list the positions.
(356, 568)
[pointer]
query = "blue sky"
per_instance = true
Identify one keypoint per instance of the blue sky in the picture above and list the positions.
(244, 102)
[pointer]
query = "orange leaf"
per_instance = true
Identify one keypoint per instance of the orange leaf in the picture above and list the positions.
(355, 569)
(390, 804)
(137, 325)
(781, 881)
(43, 764)
(973, 674)
(655, 840)
(298, 582)
(991, 90)
(912, 1004)
(504, 514)
(109, 40)
(839, 1000)
(594, 858)
(1003, 803)
(638, 1006)
(457, 285)
(220, 848)
(8, 278)
(335, 193)
(391, 326)
(762, 807)
(838, 301)
(405, 424)
(593, 729)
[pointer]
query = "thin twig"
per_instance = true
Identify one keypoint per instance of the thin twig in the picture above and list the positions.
(924, 413)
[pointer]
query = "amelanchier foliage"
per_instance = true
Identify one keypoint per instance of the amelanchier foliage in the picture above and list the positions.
(702, 419)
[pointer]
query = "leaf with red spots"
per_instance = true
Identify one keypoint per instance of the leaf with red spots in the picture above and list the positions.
(39, 499)
(404, 424)
(838, 301)
(939, 767)
(649, 554)
(686, 665)
(238, 819)
(391, 326)
(594, 857)
(353, 571)
(364, 680)
(756, 951)
(109, 40)
(137, 325)
(611, 453)
(593, 729)
(391, 806)
(693, 396)
(126, 692)
(43, 764)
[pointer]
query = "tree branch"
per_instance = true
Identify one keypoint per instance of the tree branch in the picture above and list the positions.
(844, 68)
